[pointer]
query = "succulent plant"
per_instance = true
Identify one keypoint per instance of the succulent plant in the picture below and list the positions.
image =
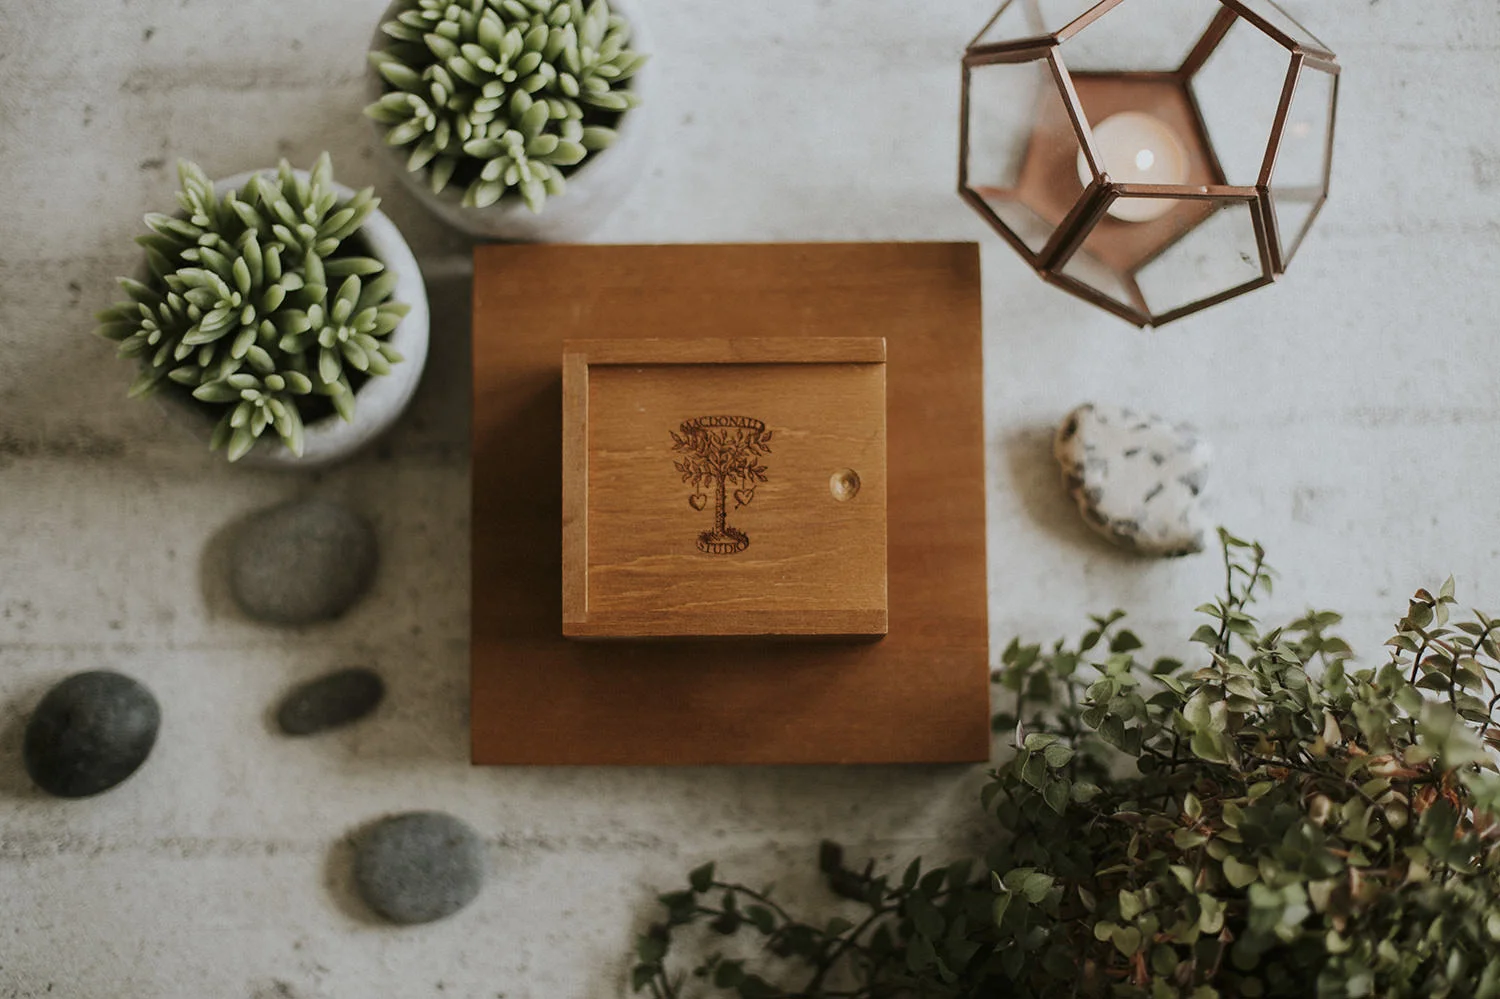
(257, 304)
(502, 95)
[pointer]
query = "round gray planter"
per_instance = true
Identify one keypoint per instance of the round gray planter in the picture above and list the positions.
(380, 401)
(594, 189)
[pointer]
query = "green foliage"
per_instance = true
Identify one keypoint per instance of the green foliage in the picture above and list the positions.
(256, 305)
(502, 95)
(1266, 821)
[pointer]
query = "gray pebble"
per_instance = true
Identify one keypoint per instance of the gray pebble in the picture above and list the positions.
(332, 700)
(418, 867)
(89, 733)
(1137, 479)
(302, 562)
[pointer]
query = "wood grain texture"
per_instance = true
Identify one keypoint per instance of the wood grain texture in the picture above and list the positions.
(793, 542)
(746, 350)
(575, 522)
(919, 695)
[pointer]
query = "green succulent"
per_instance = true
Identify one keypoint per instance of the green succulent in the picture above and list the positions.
(257, 303)
(503, 95)
(1266, 820)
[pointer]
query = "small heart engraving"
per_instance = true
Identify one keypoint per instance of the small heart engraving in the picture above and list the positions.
(698, 501)
(742, 497)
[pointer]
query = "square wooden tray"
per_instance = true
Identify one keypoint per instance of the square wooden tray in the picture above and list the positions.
(921, 694)
(724, 487)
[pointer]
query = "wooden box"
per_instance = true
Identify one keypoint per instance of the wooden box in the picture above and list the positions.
(724, 487)
(919, 695)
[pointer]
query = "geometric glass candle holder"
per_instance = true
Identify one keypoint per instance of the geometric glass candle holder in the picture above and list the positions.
(1153, 157)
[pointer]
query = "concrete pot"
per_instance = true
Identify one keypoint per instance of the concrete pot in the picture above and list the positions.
(380, 401)
(594, 189)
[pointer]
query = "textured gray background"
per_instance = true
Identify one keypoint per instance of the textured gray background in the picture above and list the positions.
(1353, 407)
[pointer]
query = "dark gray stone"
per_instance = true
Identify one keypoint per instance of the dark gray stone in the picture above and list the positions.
(330, 701)
(302, 562)
(89, 733)
(418, 867)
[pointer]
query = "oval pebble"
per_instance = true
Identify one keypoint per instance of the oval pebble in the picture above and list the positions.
(89, 733)
(302, 562)
(330, 701)
(418, 867)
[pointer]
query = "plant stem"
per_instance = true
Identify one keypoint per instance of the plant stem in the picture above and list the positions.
(752, 893)
(1417, 660)
(1489, 716)
(826, 964)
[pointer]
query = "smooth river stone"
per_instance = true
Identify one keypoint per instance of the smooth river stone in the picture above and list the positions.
(302, 562)
(418, 867)
(1136, 478)
(89, 733)
(331, 700)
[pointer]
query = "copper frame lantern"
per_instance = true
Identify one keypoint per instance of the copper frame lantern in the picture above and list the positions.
(1153, 157)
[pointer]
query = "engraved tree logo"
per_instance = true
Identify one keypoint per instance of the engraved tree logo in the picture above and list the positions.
(722, 452)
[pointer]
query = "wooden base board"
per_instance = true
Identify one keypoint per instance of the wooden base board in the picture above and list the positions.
(921, 694)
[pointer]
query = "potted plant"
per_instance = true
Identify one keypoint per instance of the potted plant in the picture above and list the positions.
(279, 309)
(1268, 820)
(512, 119)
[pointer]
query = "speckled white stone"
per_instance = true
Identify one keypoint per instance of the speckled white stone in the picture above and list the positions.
(1137, 478)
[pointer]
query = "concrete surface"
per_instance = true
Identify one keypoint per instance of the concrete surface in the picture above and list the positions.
(1353, 409)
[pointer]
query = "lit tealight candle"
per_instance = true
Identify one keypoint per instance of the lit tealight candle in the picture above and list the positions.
(1136, 148)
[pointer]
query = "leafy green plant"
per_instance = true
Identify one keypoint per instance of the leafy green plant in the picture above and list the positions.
(1268, 820)
(503, 95)
(258, 303)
